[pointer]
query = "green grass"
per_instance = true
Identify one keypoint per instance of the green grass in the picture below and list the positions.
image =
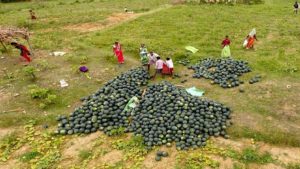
(7, 145)
(26, 157)
(84, 154)
(293, 166)
(250, 155)
(268, 135)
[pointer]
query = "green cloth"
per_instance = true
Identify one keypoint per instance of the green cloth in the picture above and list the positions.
(144, 55)
(144, 60)
(195, 92)
(132, 103)
(191, 49)
(226, 51)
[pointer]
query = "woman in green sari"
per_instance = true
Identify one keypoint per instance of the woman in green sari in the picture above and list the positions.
(144, 55)
(226, 49)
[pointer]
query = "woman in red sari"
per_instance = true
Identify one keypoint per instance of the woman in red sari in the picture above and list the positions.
(118, 52)
(25, 53)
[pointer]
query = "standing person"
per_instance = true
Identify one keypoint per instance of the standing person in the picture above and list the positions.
(25, 53)
(152, 59)
(32, 14)
(158, 66)
(251, 39)
(296, 7)
(226, 49)
(117, 49)
(144, 55)
(170, 65)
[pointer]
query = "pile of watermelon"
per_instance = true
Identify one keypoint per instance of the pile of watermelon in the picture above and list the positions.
(165, 114)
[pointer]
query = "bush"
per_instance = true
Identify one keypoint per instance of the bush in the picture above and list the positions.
(250, 155)
(44, 95)
(29, 156)
(30, 71)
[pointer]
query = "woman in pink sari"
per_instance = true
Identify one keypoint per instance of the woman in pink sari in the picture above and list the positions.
(118, 52)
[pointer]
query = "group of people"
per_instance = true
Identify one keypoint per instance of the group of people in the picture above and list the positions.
(151, 58)
(148, 59)
(248, 43)
(167, 67)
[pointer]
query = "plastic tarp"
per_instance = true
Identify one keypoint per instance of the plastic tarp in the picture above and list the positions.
(195, 92)
(191, 49)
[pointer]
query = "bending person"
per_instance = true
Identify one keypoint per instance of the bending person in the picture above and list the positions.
(251, 39)
(25, 53)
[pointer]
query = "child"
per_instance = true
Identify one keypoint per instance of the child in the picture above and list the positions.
(32, 15)
(158, 66)
(170, 65)
(24, 51)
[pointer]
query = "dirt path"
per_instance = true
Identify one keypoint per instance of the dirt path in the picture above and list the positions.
(112, 21)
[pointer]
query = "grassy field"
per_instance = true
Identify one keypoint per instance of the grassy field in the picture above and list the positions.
(267, 113)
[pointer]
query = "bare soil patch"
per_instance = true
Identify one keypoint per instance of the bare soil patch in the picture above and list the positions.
(284, 154)
(224, 163)
(70, 153)
(112, 157)
(5, 131)
(4, 97)
(14, 162)
(114, 19)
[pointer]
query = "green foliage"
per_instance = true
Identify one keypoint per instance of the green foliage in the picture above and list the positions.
(238, 166)
(25, 24)
(37, 92)
(293, 166)
(196, 161)
(26, 157)
(134, 142)
(47, 160)
(30, 71)
(117, 132)
(84, 154)
(270, 136)
(84, 59)
(44, 95)
(133, 148)
(47, 145)
(44, 65)
(7, 145)
(8, 75)
(250, 155)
